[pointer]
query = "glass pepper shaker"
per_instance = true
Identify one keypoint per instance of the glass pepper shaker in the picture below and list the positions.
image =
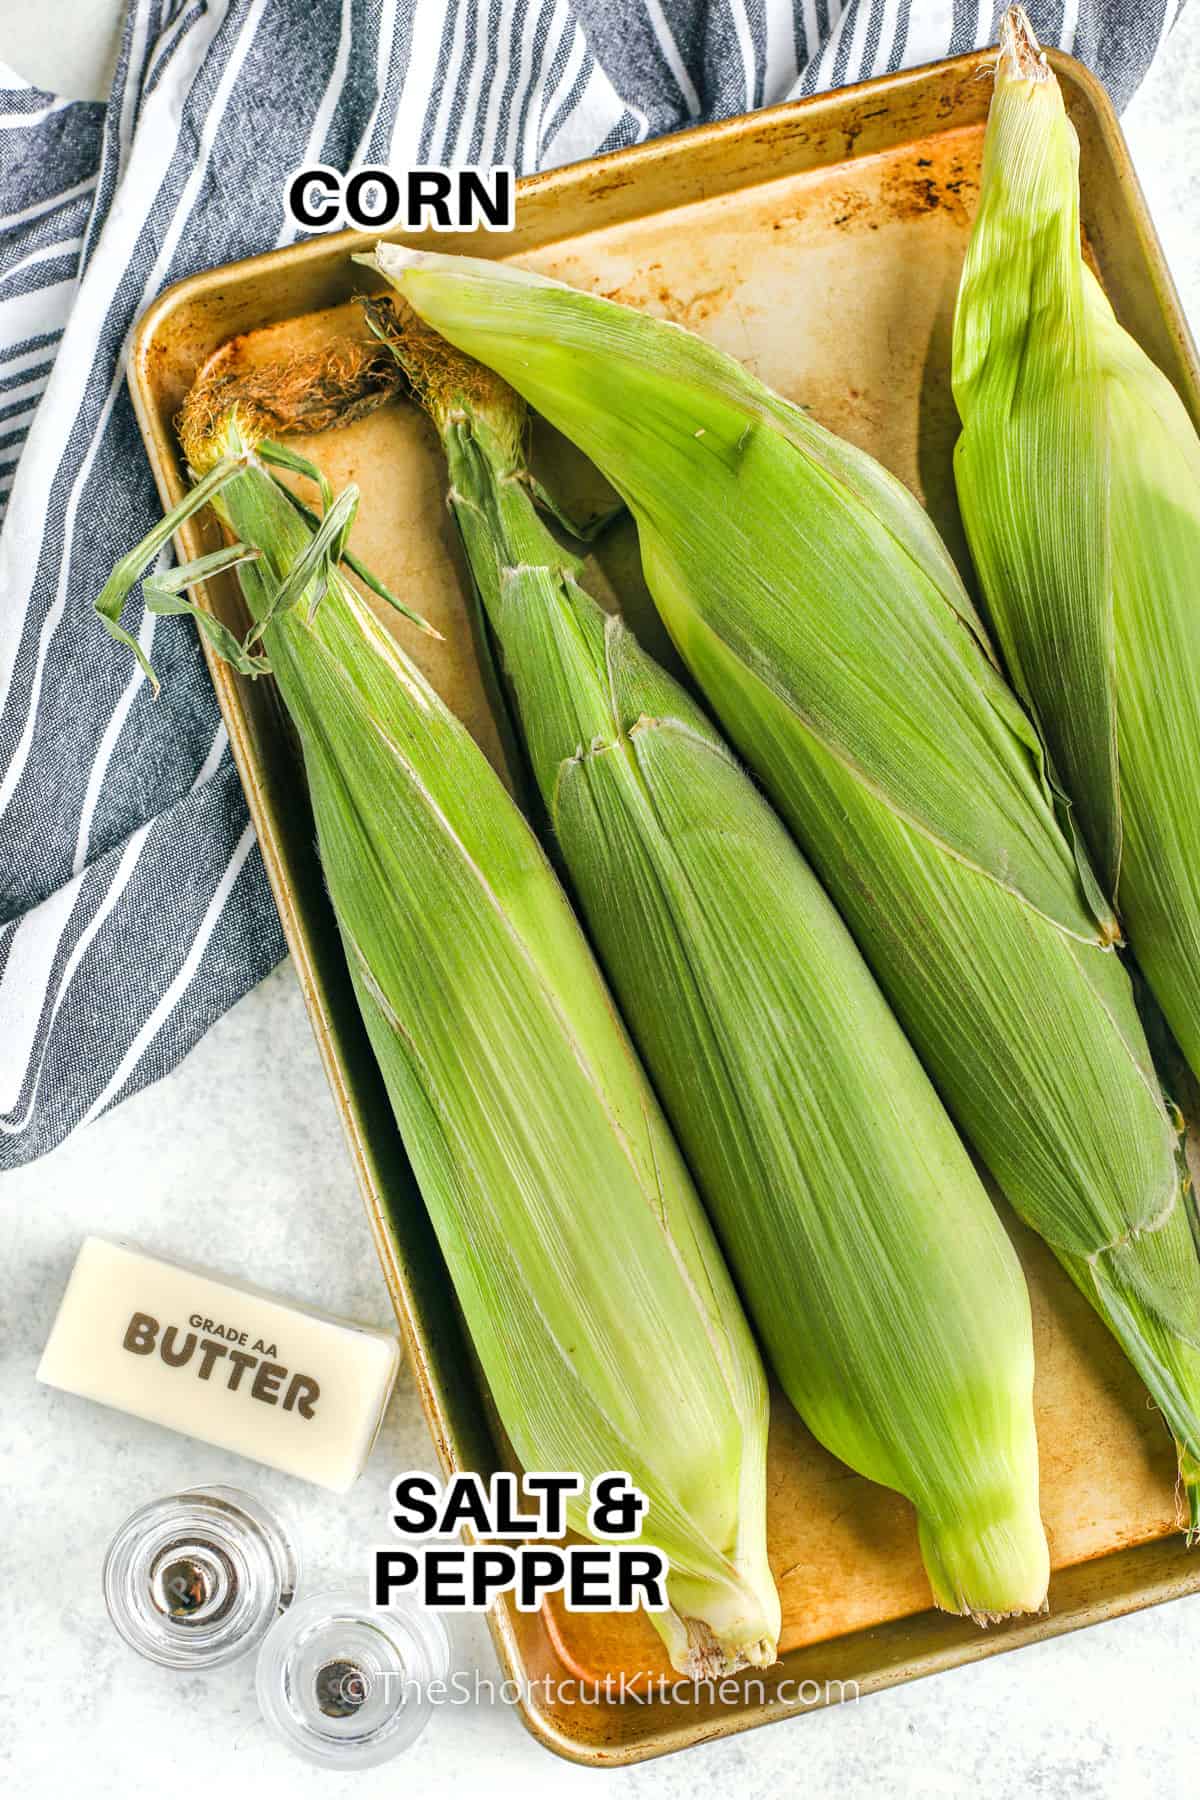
(346, 1684)
(197, 1579)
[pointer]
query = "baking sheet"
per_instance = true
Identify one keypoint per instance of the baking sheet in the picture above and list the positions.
(820, 243)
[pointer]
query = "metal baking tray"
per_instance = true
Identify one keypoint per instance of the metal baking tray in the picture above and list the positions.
(821, 243)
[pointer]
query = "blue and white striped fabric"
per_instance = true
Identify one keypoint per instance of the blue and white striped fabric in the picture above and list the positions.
(133, 904)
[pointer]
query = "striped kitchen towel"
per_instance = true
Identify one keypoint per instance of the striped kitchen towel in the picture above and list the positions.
(133, 904)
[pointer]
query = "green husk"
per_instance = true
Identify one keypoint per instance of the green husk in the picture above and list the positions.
(1078, 475)
(604, 1319)
(877, 1275)
(823, 620)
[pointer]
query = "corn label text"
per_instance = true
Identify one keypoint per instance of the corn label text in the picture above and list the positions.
(318, 198)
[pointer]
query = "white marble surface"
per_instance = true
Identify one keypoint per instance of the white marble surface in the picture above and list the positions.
(237, 1160)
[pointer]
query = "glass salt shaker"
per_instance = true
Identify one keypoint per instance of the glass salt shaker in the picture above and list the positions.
(197, 1579)
(346, 1684)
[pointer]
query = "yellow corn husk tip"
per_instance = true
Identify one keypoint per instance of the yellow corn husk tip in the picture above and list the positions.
(1021, 56)
(445, 382)
(310, 392)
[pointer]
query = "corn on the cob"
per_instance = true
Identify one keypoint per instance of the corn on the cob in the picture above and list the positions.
(880, 1281)
(603, 1316)
(823, 620)
(1078, 475)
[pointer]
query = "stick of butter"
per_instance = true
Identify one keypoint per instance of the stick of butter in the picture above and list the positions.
(221, 1361)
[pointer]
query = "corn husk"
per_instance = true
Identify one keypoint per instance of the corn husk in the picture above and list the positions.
(1078, 475)
(600, 1308)
(876, 1273)
(824, 622)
